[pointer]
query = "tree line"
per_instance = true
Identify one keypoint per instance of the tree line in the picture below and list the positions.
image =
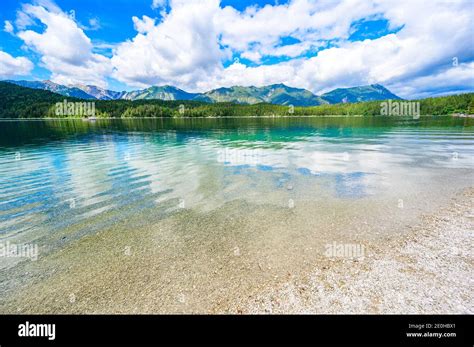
(20, 102)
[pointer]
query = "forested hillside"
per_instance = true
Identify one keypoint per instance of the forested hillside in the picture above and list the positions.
(21, 102)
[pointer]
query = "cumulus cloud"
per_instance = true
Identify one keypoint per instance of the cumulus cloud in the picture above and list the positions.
(199, 45)
(183, 49)
(64, 48)
(190, 45)
(11, 66)
(311, 21)
(432, 33)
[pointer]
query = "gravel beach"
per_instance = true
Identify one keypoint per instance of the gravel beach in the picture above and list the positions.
(429, 271)
(427, 268)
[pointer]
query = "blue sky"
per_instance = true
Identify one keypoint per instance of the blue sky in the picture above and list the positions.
(415, 48)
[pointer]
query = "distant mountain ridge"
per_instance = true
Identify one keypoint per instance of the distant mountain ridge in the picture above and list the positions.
(359, 94)
(163, 93)
(17, 102)
(55, 88)
(99, 93)
(279, 94)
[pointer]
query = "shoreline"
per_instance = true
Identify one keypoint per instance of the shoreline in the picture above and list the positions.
(428, 271)
(232, 117)
(424, 269)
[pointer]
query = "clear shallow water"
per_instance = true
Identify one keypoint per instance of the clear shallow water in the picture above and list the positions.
(56, 175)
(206, 204)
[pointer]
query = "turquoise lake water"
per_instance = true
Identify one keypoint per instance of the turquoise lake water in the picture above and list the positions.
(56, 174)
(201, 202)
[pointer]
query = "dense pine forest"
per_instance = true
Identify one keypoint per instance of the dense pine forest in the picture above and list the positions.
(21, 102)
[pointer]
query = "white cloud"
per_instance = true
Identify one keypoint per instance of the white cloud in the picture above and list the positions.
(143, 25)
(252, 55)
(183, 49)
(158, 4)
(64, 48)
(188, 47)
(240, 74)
(94, 24)
(23, 20)
(451, 80)
(302, 19)
(11, 66)
(192, 45)
(8, 27)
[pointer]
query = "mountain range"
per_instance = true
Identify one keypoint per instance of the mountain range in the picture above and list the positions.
(279, 94)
